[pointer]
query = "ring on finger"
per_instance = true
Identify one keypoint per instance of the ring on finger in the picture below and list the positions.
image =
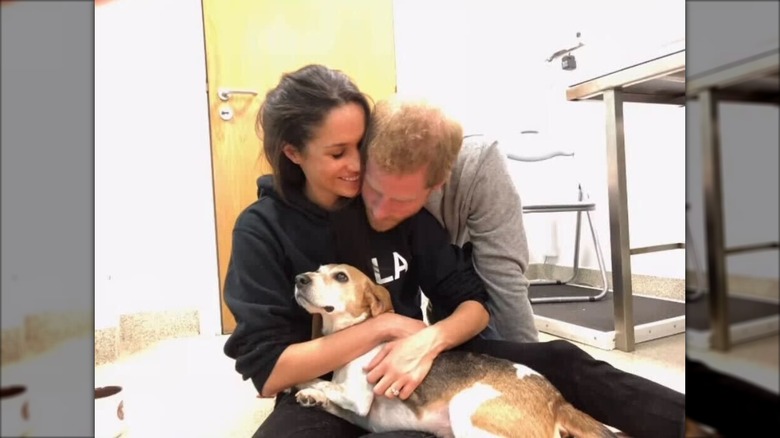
(395, 391)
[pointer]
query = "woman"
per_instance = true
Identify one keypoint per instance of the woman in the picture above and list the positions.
(310, 214)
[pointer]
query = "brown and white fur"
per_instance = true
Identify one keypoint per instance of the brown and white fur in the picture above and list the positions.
(463, 395)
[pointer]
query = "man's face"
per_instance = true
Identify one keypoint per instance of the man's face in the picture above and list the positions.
(392, 198)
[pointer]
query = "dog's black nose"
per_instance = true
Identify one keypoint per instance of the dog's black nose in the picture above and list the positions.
(302, 280)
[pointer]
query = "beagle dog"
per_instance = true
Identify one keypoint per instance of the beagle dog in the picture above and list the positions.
(463, 395)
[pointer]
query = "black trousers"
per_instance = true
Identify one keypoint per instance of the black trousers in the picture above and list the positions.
(636, 406)
(734, 407)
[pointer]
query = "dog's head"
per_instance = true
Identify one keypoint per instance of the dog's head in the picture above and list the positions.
(343, 295)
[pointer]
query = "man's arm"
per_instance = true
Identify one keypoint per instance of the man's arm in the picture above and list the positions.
(469, 318)
(496, 230)
(308, 360)
(403, 364)
(446, 274)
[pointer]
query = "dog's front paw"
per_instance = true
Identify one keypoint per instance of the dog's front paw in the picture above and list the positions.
(310, 397)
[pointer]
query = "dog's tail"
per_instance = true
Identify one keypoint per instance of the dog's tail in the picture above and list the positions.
(575, 423)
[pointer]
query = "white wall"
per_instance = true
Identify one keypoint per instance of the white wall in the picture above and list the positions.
(485, 60)
(721, 33)
(155, 244)
(155, 240)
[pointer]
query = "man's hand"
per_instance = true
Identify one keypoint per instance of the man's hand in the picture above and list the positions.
(402, 364)
(398, 326)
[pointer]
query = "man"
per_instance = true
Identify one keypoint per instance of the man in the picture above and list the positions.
(468, 189)
(413, 157)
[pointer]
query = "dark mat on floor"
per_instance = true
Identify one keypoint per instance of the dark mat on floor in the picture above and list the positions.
(740, 310)
(599, 315)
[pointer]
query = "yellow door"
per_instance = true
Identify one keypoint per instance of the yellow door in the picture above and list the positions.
(249, 44)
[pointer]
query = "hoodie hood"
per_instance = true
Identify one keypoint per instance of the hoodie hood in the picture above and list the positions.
(265, 187)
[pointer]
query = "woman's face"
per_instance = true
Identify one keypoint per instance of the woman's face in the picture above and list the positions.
(331, 159)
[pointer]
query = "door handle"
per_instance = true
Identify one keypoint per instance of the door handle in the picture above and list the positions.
(224, 93)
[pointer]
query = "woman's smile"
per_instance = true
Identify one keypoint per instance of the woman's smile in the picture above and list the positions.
(350, 178)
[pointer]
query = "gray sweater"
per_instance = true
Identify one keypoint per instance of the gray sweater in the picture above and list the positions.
(480, 204)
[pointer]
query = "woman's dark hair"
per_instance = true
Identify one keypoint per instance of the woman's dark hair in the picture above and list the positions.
(294, 109)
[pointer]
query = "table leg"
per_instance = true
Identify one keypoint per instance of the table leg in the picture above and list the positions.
(618, 223)
(713, 207)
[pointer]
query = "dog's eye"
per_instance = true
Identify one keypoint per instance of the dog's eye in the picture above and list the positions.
(341, 277)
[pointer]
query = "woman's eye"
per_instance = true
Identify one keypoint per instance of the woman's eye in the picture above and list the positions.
(337, 156)
(341, 277)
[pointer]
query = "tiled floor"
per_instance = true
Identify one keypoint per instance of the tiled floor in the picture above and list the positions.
(188, 387)
(185, 387)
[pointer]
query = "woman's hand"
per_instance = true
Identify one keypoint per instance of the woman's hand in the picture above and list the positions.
(402, 364)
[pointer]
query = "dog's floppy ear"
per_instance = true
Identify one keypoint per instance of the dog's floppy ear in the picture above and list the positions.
(377, 298)
(316, 326)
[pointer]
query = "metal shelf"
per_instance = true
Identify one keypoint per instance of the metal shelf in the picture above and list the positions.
(660, 80)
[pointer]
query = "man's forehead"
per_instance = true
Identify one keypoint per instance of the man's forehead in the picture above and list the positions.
(408, 185)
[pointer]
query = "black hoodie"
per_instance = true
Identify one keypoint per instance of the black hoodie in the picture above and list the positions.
(274, 240)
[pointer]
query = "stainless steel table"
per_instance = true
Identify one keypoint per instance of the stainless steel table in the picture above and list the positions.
(660, 81)
(753, 80)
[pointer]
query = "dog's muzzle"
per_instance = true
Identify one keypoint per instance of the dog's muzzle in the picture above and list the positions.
(302, 287)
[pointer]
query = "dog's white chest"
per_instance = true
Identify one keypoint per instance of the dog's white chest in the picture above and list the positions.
(387, 414)
(352, 374)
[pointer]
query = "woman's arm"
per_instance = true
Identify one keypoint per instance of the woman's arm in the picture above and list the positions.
(272, 342)
(308, 360)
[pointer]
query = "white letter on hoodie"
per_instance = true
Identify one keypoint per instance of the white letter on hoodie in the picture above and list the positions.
(377, 275)
(400, 265)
